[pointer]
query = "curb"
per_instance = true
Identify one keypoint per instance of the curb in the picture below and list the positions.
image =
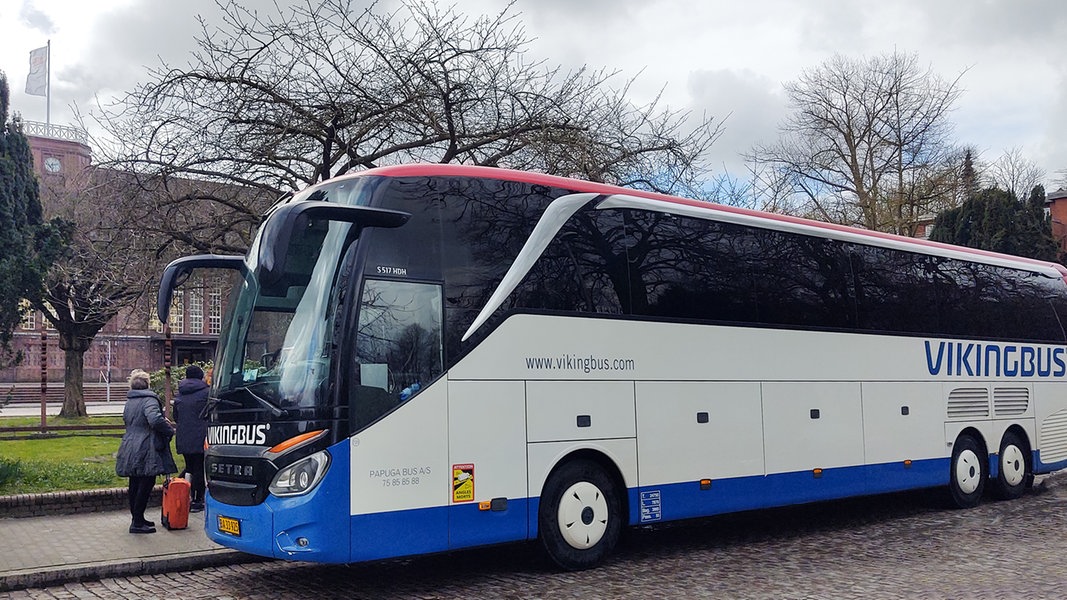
(101, 500)
(38, 578)
(66, 503)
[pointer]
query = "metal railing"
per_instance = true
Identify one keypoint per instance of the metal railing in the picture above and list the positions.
(67, 428)
(58, 132)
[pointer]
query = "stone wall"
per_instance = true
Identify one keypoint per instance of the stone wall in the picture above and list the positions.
(64, 503)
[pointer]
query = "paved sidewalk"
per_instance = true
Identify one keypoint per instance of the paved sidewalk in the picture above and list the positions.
(53, 550)
(28, 409)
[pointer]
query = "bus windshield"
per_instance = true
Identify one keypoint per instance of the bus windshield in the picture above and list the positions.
(275, 345)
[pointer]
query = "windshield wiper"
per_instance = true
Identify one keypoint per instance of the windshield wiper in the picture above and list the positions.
(274, 410)
(264, 404)
(213, 402)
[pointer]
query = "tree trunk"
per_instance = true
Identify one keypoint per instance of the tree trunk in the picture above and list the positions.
(73, 383)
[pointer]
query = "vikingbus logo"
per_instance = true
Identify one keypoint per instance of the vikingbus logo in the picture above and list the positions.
(237, 435)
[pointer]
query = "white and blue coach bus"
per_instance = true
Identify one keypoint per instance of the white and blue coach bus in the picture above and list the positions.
(423, 358)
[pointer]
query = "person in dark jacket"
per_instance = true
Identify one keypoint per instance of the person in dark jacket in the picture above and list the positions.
(144, 452)
(190, 411)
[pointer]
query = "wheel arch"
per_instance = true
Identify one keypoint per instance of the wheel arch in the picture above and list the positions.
(1020, 431)
(605, 462)
(978, 437)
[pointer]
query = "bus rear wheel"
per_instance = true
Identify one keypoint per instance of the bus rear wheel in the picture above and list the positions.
(580, 515)
(1013, 473)
(969, 472)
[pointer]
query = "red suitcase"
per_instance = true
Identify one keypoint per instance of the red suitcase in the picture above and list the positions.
(175, 503)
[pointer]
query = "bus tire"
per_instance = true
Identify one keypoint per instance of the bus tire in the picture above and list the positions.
(969, 471)
(580, 515)
(1013, 473)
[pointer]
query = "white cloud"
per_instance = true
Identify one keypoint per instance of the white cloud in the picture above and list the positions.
(751, 106)
(728, 58)
(35, 19)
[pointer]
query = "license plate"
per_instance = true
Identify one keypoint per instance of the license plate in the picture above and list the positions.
(229, 525)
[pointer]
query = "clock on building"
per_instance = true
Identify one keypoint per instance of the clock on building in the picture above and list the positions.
(52, 164)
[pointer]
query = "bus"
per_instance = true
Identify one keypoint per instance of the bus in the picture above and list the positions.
(424, 358)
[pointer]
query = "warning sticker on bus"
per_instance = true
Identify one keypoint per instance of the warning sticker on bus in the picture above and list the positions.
(462, 483)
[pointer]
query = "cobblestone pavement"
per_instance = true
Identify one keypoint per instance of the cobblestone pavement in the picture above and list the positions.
(898, 546)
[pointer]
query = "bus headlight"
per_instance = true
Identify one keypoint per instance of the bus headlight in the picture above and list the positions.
(301, 476)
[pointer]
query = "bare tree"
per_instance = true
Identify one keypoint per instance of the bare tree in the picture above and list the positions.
(105, 270)
(1014, 173)
(276, 100)
(868, 142)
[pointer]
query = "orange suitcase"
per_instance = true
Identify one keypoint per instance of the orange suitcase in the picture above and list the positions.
(175, 503)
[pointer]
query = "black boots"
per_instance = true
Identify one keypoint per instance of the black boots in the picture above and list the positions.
(143, 527)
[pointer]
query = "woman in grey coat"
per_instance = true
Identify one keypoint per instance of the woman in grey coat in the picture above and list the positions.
(144, 451)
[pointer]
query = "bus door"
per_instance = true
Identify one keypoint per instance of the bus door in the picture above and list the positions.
(398, 417)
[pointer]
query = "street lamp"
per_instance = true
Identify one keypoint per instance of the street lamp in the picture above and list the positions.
(107, 342)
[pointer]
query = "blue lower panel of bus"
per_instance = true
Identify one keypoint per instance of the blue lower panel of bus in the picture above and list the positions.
(426, 530)
(687, 500)
(318, 527)
(312, 527)
(1043, 467)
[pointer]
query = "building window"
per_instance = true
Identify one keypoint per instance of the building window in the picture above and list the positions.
(177, 312)
(196, 310)
(29, 317)
(155, 324)
(214, 315)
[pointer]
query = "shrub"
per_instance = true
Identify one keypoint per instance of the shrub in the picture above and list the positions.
(10, 470)
(177, 374)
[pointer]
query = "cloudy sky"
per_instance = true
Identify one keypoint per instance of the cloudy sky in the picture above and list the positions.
(726, 58)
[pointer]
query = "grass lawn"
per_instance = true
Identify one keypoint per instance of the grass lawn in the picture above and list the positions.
(61, 461)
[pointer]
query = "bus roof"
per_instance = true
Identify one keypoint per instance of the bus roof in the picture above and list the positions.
(578, 185)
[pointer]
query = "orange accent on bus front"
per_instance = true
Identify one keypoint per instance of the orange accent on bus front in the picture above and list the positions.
(289, 443)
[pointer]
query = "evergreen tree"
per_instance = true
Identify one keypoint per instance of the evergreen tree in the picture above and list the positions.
(27, 243)
(970, 180)
(1037, 199)
(996, 220)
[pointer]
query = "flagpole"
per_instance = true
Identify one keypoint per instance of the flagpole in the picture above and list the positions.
(48, 92)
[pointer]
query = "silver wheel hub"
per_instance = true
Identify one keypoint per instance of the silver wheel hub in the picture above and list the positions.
(582, 515)
(1013, 465)
(968, 471)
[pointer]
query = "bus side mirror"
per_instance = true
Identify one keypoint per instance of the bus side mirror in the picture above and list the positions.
(178, 271)
(287, 219)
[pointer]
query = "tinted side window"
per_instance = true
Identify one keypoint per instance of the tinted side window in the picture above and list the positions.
(697, 269)
(482, 225)
(901, 291)
(583, 269)
(1016, 305)
(929, 295)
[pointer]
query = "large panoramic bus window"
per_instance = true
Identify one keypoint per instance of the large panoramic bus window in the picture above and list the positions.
(907, 292)
(898, 291)
(1016, 304)
(583, 269)
(682, 268)
(398, 346)
(484, 224)
(688, 268)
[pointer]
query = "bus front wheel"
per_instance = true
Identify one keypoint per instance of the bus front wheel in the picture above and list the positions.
(969, 472)
(580, 515)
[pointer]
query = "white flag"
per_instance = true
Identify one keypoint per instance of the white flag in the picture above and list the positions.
(37, 80)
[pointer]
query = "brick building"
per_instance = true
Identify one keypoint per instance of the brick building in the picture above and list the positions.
(134, 338)
(1056, 208)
